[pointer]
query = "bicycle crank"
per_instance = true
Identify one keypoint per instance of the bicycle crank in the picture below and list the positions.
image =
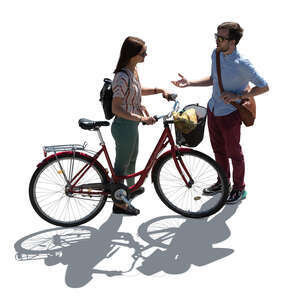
(119, 194)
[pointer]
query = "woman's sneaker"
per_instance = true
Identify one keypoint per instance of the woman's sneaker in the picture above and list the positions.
(236, 196)
(130, 210)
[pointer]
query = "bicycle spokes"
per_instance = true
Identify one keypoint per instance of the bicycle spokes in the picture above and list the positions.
(55, 200)
(181, 182)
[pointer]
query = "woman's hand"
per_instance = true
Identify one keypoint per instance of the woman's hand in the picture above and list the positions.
(181, 83)
(148, 120)
(144, 111)
(146, 117)
(166, 95)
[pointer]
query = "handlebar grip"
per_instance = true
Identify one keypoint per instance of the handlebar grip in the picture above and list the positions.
(155, 117)
(172, 97)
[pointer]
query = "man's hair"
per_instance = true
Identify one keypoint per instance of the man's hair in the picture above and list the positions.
(235, 30)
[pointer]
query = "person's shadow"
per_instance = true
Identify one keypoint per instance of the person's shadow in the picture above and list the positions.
(189, 241)
(192, 243)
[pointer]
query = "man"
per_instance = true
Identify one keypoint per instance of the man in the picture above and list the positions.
(224, 122)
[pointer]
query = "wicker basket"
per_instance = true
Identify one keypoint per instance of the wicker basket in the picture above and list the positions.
(194, 138)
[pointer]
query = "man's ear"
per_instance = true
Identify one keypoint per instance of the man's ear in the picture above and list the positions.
(232, 42)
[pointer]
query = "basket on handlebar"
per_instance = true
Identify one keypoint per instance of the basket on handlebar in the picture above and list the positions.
(194, 137)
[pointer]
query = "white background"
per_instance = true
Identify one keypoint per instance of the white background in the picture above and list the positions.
(54, 56)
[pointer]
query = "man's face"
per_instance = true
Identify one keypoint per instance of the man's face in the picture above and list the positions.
(223, 34)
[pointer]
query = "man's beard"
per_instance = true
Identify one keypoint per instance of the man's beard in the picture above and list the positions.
(224, 49)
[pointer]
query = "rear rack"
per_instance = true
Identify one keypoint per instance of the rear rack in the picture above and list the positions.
(58, 148)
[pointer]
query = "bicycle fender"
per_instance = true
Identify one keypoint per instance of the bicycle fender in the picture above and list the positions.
(164, 155)
(71, 152)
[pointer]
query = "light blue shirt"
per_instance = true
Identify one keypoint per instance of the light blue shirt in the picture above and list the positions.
(236, 73)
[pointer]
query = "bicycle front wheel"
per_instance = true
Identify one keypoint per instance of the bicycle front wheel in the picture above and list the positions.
(51, 201)
(200, 171)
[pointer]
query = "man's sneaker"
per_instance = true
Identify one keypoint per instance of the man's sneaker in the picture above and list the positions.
(236, 196)
(214, 189)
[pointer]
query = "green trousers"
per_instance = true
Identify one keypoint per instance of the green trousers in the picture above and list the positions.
(126, 135)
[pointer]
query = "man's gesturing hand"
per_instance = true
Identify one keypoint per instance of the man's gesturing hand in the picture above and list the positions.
(183, 82)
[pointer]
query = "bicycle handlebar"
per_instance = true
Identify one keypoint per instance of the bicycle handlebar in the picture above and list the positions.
(175, 108)
(171, 97)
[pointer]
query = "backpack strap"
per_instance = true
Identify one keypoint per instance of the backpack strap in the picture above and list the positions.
(123, 71)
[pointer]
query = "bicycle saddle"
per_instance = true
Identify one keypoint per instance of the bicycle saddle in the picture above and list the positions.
(89, 124)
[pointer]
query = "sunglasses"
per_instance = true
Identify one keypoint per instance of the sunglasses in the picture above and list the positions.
(143, 54)
(220, 38)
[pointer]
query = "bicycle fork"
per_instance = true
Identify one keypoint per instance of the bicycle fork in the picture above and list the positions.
(178, 158)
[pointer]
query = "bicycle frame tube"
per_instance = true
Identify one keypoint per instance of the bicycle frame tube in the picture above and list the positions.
(82, 172)
(85, 168)
(164, 140)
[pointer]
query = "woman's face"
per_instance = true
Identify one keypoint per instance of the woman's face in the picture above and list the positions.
(139, 58)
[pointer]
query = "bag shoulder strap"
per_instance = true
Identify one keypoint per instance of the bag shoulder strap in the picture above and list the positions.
(235, 104)
(219, 71)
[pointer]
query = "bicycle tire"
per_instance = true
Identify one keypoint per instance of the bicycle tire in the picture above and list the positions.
(207, 173)
(52, 170)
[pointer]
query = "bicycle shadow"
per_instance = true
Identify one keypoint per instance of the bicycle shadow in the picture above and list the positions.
(189, 243)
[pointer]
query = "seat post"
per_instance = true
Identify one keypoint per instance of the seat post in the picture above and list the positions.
(100, 136)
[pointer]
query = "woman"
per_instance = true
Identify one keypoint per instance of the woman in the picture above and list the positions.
(126, 105)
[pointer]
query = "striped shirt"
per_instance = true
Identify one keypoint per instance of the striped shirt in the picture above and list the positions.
(131, 97)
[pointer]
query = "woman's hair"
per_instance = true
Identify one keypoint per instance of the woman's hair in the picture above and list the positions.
(235, 30)
(130, 48)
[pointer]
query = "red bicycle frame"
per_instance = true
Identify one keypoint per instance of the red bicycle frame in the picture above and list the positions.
(164, 140)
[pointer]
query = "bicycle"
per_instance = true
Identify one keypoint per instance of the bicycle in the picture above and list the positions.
(70, 187)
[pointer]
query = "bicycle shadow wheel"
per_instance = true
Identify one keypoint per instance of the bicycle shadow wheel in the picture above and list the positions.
(80, 249)
(49, 244)
(185, 242)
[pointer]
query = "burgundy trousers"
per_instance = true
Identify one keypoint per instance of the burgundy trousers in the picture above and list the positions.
(224, 135)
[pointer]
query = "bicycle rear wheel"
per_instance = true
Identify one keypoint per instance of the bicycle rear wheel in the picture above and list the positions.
(190, 201)
(48, 196)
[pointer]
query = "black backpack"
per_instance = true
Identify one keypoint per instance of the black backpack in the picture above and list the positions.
(106, 96)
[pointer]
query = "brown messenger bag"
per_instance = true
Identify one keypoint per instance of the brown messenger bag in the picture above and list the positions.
(247, 107)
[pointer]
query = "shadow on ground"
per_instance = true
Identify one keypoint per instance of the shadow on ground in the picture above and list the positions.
(171, 244)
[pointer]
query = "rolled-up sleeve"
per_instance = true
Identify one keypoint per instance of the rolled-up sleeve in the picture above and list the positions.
(250, 73)
(120, 85)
